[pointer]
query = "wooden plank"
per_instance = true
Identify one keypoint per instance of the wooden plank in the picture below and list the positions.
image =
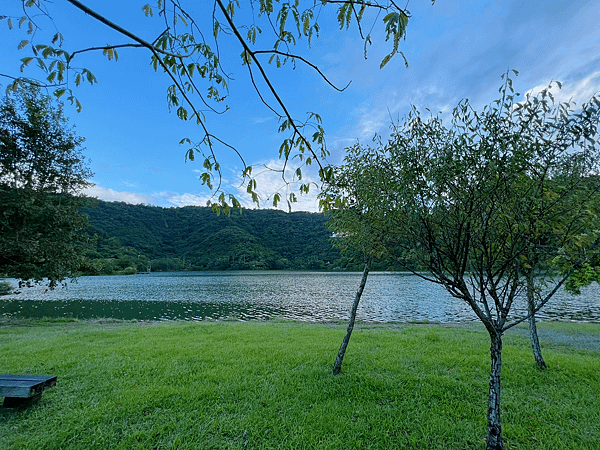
(16, 403)
(24, 386)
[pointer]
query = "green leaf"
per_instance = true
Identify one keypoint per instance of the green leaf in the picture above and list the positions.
(385, 61)
(182, 113)
(25, 62)
(344, 15)
(231, 8)
(276, 199)
(90, 76)
(306, 28)
(148, 10)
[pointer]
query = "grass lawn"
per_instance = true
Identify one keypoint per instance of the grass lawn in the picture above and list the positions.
(259, 385)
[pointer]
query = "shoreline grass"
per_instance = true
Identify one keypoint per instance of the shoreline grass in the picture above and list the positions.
(268, 385)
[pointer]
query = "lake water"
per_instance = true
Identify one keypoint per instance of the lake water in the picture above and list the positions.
(303, 296)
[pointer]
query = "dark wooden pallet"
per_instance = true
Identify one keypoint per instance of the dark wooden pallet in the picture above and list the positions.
(23, 390)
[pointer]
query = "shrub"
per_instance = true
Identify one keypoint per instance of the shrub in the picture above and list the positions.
(5, 287)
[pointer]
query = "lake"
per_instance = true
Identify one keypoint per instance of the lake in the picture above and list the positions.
(263, 295)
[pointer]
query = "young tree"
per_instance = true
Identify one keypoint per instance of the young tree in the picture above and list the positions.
(188, 53)
(354, 226)
(491, 207)
(41, 170)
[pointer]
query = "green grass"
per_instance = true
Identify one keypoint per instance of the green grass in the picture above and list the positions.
(269, 385)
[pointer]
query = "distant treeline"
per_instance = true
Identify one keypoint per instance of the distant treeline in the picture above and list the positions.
(138, 238)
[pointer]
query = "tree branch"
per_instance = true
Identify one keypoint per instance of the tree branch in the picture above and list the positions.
(305, 61)
(268, 82)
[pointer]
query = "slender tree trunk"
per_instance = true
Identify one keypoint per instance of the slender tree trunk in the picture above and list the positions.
(494, 428)
(533, 335)
(337, 366)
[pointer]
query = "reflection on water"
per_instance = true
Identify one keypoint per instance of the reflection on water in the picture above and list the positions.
(304, 296)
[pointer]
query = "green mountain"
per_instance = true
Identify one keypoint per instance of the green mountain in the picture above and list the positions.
(134, 237)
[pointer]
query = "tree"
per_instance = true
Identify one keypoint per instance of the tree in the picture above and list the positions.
(186, 54)
(354, 227)
(584, 276)
(42, 168)
(483, 205)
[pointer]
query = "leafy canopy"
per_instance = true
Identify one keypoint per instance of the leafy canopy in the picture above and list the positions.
(187, 52)
(480, 203)
(42, 168)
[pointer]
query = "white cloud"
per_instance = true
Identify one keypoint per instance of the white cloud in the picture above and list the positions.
(579, 91)
(270, 180)
(110, 195)
(376, 115)
(135, 198)
(129, 184)
(176, 199)
(259, 120)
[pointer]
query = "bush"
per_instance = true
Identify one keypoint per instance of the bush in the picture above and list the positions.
(127, 271)
(5, 287)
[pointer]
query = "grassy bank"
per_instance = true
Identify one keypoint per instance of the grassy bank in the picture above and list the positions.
(268, 385)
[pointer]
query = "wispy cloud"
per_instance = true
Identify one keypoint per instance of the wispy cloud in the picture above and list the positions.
(272, 178)
(110, 195)
(578, 91)
(176, 199)
(269, 182)
(129, 184)
(164, 198)
(258, 120)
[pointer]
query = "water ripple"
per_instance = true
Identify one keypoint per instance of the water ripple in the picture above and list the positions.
(303, 296)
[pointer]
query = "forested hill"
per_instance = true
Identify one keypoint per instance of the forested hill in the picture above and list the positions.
(195, 238)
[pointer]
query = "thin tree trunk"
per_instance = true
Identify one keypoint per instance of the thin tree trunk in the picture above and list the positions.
(337, 366)
(494, 428)
(533, 335)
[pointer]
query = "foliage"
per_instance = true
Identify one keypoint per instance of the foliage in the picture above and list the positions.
(481, 204)
(40, 152)
(194, 238)
(41, 169)
(5, 287)
(187, 52)
(221, 385)
(583, 276)
(507, 189)
(357, 226)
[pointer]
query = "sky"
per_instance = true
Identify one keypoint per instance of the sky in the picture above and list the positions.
(455, 50)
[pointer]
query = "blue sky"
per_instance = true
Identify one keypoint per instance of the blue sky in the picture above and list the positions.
(455, 50)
